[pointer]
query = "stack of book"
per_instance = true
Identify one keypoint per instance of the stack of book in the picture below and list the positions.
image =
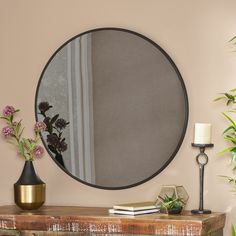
(138, 208)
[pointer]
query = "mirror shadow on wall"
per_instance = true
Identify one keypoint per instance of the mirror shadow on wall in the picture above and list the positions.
(124, 103)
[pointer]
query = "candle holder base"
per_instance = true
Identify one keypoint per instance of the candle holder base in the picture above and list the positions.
(201, 211)
(202, 160)
(202, 145)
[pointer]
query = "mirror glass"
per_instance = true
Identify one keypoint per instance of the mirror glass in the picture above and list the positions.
(115, 106)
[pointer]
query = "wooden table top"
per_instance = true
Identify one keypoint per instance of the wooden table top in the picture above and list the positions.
(98, 220)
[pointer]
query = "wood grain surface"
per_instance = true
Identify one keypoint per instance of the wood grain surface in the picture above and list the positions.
(95, 220)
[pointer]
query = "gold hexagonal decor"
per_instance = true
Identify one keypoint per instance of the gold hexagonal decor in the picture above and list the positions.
(172, 199)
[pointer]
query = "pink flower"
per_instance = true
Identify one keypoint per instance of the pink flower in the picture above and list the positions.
(40, 126)
(8, 111)
(7, 132)
(39, 151)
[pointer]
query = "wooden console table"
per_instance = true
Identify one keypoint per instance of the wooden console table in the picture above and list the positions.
(62, 221)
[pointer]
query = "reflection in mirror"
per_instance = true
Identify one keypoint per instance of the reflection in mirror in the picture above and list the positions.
(124, 104)
(54, 128)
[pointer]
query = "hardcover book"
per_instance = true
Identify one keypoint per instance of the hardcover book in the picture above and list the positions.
(132, 213)
(137, 206)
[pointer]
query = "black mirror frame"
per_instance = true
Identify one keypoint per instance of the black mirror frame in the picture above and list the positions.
(186, 106)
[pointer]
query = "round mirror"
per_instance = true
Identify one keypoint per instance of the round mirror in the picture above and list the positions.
(115, 107)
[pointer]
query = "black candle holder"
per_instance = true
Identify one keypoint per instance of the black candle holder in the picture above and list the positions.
(201, 165)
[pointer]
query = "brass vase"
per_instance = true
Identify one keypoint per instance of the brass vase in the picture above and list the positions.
(29, 190)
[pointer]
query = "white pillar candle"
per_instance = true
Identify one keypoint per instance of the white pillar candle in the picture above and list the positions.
(202, 134)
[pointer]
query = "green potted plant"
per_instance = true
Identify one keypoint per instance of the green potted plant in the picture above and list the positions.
(229, 133)
(230, 136)
(171, 204)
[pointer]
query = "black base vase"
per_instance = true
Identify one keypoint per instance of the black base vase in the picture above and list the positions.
(29, 190)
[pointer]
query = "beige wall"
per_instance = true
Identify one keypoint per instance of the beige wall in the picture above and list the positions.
(194, 33)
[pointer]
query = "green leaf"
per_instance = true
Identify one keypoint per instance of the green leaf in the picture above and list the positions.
(5, 118)
(229, 128)
(233, 231)
(54, 118)
(229, 96)
(218, 98)
(18, 126)
(233, 158)
(233, 149)
(234, 168)
(226, 150)
(230, 136)
(32, 146)
(228, 102)
(230, 120)
(21, 148)
(11, 118)
(26, 143)
(232, 139)
(233, 110)
(232, 39)
(21, 133)
(229, 179)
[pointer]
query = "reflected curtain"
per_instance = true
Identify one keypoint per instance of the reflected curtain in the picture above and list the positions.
(80, 106)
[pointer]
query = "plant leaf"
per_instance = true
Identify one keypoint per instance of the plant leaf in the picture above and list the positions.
(54, 118)
(229, 128)
(230, 120)
(233, 231)
(228, 149)
(26, 143)
(49, 128)
(232, 139)
(232, 160)
(52, 149)
(21, 133)
(5, 118)
(232, 39)
(11, 118)
(230, 179)
(18, 126)
(233, 110)
(233, 149)
(229, 96)
(218, 98)
(21, 148)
